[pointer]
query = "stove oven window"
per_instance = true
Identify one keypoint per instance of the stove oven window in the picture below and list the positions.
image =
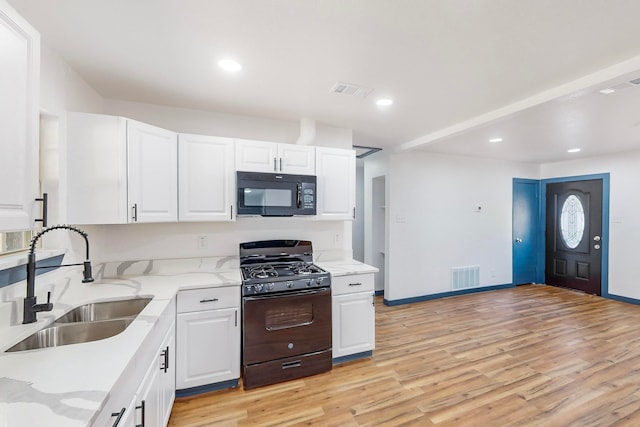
(289, 317)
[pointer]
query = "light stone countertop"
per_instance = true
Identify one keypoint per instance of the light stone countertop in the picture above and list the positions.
(346, 267)
(68, 386)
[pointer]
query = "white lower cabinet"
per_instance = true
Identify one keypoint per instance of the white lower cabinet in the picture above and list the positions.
(353, 313)
(144, 395)
(157, 392)
(208, 337)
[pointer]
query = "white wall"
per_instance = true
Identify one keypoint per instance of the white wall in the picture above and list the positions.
(434, 226)
(624, 225)
(64, 90)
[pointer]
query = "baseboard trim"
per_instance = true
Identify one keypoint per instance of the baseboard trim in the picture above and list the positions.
(351, 357)
(207, 388)
(421, 298)
(622, 299)
(380, 292)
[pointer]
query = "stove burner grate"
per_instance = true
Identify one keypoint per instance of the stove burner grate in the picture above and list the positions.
(262, 272)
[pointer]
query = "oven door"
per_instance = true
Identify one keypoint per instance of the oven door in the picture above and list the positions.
(284, 325)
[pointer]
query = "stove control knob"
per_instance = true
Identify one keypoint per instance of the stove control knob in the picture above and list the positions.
(249, 288)
(309, 282)
(289, 284)
(270, 286)
(319, 280)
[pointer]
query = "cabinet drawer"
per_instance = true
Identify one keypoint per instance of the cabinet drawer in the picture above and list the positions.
(341, 285)
(208, 299)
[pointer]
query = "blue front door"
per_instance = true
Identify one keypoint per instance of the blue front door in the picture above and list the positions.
(526, 211)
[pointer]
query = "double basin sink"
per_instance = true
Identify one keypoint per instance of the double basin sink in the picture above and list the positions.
(88, 322)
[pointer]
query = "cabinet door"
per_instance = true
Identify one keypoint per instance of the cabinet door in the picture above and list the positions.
(208, 347)
(167, 381)
(96, 169)
(296, 159)
(153, 173)
(256, 156)
(148, 403)
(336, 172)
(19, 86)
(353, 323)
(206, 178)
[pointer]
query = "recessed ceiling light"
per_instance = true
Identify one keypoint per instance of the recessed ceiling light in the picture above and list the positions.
(384, 102)
(606, 91)
(229, 65)
(573, 150)
(494, 140)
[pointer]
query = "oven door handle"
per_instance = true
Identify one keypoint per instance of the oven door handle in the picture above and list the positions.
(287, 294)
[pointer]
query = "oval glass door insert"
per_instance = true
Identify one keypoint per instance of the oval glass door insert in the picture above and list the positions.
(572, 221)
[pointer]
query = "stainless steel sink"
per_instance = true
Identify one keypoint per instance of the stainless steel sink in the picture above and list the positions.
(89, 322)
(72, 333)
(98, 311)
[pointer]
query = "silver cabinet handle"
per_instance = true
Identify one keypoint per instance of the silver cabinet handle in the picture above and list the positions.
(355, 284)
(280, 164)
(518, 240)
(134, 212)
(275, 167)
(209, 300)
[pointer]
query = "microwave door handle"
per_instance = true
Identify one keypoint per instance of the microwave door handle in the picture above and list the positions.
(299, 201)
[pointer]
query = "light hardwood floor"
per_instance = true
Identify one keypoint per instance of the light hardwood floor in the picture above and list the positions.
(529, 356)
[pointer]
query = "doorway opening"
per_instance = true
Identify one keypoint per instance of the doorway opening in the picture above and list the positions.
(378, 224)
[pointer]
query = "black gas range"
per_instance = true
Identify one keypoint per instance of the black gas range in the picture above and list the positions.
(286, 312)
(273, 266)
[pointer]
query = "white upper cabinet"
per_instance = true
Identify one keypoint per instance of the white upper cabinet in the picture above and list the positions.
(336, 192)
(153, 173)
(120, 171)
(19, 86)
(259, 156)
(297, 159)
(206, 178)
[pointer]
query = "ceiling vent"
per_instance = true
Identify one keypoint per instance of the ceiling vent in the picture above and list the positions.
(342, 88)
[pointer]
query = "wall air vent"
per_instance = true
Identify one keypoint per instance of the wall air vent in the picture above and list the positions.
(342, 88)
(465, 277)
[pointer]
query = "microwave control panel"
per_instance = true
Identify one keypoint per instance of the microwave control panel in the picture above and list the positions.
(308, 196)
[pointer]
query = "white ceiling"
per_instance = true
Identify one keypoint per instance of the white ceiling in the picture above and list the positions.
(460, 71)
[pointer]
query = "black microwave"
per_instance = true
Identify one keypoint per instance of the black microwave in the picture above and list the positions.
(275, 194)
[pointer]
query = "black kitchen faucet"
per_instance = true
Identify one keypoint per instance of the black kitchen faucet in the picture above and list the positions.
(30, 306)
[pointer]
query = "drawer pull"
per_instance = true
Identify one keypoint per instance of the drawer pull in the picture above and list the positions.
(355, 284)
(294, 364)
(209, 300)
(118, 416)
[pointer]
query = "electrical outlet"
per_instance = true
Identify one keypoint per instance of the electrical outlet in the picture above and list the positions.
(202, 242)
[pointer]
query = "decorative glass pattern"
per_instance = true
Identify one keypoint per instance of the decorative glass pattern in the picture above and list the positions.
(572, 221)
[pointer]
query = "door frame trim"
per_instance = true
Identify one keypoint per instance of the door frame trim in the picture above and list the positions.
(605, 177)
